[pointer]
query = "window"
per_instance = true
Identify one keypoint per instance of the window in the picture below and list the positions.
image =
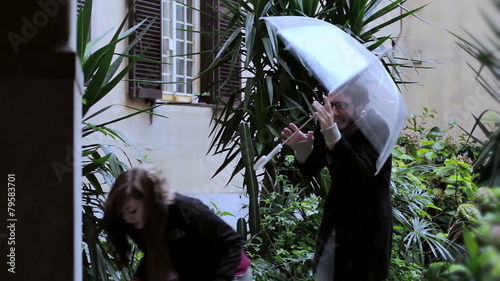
(179, 21)
(172, 41)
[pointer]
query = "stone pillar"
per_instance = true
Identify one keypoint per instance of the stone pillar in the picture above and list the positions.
(40, 89)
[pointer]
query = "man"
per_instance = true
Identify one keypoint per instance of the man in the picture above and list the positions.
(354, 240)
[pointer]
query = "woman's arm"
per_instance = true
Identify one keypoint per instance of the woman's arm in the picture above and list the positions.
(219, 237)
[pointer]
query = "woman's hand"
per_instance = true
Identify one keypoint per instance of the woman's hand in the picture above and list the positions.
(324, 113)
(298, 137)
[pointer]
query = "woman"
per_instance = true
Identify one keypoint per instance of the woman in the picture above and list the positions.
(182, 239)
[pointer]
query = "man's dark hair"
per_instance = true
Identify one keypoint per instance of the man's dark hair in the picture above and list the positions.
(358, 94)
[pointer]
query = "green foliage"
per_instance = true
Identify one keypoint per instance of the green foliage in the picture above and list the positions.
(482, 259)
(247, 155)
(404, 270)
(101, 162)
(434, 199)
(279, 90)
(434, 186)
(283, 248)
(434, 195)
(486, 53)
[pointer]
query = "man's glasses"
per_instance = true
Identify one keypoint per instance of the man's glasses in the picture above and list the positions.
(341, 105)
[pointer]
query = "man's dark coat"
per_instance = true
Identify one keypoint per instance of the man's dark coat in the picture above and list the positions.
(357, 206)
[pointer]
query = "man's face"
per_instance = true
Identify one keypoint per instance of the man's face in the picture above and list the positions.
(344, 110)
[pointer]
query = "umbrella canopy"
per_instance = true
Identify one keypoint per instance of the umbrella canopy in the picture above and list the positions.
(344, 66)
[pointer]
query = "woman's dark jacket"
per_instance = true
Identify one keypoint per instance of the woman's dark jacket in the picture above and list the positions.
(202, 246)
(358, 206)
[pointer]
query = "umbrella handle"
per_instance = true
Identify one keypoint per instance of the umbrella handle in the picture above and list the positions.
(266, 158)
(298, 130)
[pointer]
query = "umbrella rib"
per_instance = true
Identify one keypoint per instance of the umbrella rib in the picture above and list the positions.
(298, 130)
(379, 56)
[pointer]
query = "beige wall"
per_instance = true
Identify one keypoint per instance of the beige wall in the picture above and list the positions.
(450, 87)
(179, 143)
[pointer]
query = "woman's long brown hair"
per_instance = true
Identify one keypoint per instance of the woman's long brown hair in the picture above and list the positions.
(148, 184)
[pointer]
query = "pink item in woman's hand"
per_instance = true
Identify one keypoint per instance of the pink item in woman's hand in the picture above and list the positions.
(244, 264)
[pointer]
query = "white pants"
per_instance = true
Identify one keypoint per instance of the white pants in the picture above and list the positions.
(247, 276)
(324, 269)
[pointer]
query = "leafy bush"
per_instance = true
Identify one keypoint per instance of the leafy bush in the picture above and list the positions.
(482, 259)
(436, 200)
(434, 197)
(433, 191)
(284, 247)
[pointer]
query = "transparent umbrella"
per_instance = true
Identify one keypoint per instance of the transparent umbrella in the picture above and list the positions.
(344, 66)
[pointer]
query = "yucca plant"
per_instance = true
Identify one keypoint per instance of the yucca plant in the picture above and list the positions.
(278, 90)
(486, 53)
(102, 162)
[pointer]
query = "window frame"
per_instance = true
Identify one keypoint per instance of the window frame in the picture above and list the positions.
(207, 22)
(172, 38)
